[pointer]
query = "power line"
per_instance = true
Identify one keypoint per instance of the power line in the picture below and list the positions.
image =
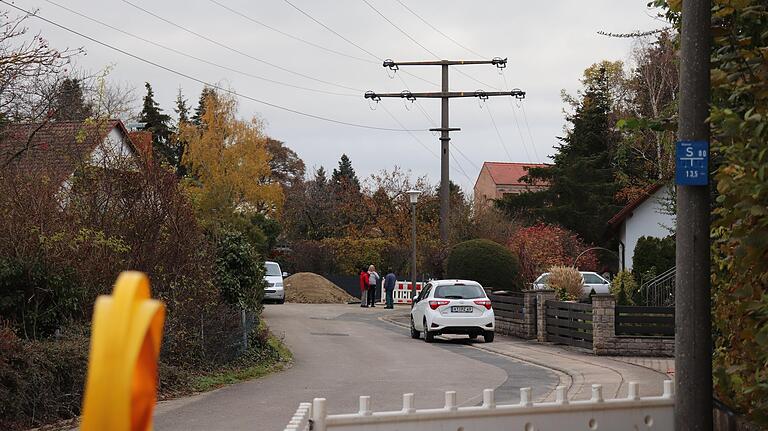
(458, 165)
(300, 39)
(415, 138)
(332, 30)
(400, 29)
(342, 37)
(525, 117)
(200, 81)
(517, 123)
(471, 51)
(498, 134)
(461, 153)
(202, 60)
(425, 146)
(412, 39)
(237, 51)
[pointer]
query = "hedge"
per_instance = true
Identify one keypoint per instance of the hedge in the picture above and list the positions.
(486, 262)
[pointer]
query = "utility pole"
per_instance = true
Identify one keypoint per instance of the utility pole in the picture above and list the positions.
(445, 95)
(693, 326)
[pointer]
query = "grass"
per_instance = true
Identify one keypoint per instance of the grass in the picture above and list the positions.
(253, 369)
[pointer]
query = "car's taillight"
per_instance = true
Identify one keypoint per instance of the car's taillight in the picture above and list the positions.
(434, 304)
(484, 302)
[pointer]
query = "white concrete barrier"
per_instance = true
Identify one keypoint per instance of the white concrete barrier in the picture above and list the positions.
(630, 413)
(302, 419)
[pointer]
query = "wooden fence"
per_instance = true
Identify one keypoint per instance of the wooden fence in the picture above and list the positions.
(645, 321)
(509, 305)
(569, 323)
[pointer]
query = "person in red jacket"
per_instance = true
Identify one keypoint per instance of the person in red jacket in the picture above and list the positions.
(364, 280)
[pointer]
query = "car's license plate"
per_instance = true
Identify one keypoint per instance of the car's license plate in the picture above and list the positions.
(462, 309)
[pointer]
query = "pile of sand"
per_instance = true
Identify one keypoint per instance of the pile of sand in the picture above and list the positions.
(310, 288)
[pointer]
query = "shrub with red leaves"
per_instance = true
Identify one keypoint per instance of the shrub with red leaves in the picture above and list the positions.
(542, 246)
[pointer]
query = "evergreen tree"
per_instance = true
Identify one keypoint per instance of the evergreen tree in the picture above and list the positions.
(321, 178)
(581, 183)
(207, 92)
(159, 124)
(69, 103)
(182, 111)
(345, 175)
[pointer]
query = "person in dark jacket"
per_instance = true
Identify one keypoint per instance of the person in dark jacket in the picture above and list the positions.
(364, 280)
(389, 286)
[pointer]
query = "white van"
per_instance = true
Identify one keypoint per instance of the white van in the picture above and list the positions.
(274, 278)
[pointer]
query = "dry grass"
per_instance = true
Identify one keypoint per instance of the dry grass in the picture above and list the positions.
(567, 281)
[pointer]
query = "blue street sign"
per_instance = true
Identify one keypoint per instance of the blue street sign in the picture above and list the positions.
(692, 163)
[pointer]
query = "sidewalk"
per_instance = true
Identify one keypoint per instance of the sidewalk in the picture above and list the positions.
(578, 369)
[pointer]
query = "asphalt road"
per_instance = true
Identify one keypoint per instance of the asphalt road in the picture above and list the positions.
(342, 352)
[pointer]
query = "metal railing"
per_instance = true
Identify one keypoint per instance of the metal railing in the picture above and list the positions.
(660, 291)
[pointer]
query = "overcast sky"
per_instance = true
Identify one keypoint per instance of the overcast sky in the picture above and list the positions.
(548, 43)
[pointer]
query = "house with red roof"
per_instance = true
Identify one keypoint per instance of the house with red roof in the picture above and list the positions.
(54, 150)
(498, 179)
(649, 214)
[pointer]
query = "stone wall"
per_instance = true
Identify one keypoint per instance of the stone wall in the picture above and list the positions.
(606, 342)
(533, 325)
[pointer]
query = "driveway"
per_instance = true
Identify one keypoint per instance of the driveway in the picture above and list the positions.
(344, 351)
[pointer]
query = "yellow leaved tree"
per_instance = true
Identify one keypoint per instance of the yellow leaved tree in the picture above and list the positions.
(228, 162)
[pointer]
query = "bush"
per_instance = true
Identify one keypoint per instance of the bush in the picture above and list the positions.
(542, 246)
(41, 381)
(486, 262)
(624, 288)
(566, 281)
(740, 219)
(652, 256)
(239, 271)
(38, 298)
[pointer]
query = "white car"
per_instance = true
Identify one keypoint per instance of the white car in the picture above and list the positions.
(452, 307)
(592, 281)
(274, 277)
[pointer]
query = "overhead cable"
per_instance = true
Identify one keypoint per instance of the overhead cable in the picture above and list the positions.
(517, 123)
(411, 38)
(202, 60)
(200, 81)
(237, 51)
(297, 38)
(471, 51)
(342, 37)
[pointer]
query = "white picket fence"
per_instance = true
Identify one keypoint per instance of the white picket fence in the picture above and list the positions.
(630, 413)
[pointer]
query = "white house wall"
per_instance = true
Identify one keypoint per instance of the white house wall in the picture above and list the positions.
(114, 145)
(648, 219)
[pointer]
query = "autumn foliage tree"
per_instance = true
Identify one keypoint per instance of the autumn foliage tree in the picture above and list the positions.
(542, 246)
(228, 161)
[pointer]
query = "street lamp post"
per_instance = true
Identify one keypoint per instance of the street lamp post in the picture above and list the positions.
(413, 196)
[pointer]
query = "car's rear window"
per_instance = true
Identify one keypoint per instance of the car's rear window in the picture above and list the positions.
(459, 291)
(592, 279)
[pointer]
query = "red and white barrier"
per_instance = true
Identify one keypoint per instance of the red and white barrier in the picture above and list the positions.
(402, 292)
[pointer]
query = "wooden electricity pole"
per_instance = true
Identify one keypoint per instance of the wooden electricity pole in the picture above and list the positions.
(445, 95)
(693, 327)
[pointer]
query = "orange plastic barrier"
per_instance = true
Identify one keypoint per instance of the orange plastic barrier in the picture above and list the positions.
(127, 329)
